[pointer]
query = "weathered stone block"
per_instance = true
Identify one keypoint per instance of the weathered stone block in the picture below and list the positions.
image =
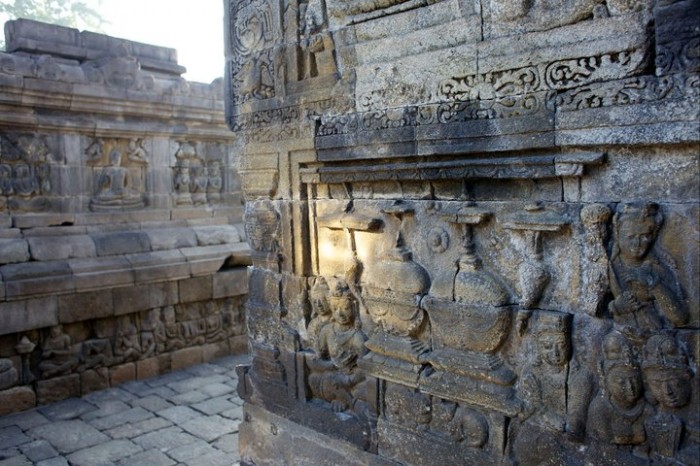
(13, 251)
(159, 266)
(56, 389)
(90, 274)
(171, 238)
(83, 306)
(16, 399)
(146, 368)
(127, 242)
(20, 316)
(186, 357)
(122, 373)
(195, 289)
(216, 234)
(61, 247)
(215, 350)
(230, 283)
(94, 380)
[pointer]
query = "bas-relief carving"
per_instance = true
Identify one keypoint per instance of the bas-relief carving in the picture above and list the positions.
(119, 170)
(252, 71)
(550, 392)
(647, 295)
(196, 181)
(25, 170)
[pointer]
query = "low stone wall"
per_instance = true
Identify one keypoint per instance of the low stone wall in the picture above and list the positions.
(122, 252)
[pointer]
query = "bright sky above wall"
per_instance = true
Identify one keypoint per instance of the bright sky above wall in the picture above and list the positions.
(195, 29)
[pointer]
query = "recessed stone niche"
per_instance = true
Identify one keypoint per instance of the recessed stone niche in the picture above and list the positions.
(474, 230)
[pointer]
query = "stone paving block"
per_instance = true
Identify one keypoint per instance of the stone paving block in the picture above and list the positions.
(109, 396)
(106, 408)
(205, 370)
(210, 428)
(214, 405)
(186, 357)
(152, 403)
(193, 383)
(228, 444)
(16, 399)
(167, 379)
(12, 436)
(67, 409)
(24, 420)
(179, 414)
(136, 387)
(131, 415)
(216, 458)
(9, 453)
(58, 461)
(104, 453)
(164, 439)
(162, 391)
(196, 449)
(57, 389)
(191, 397)
(39, 450)
(218, 389)
(152, 457)
(20, 460)
(233, 413)
(69, 436)
(139, 428)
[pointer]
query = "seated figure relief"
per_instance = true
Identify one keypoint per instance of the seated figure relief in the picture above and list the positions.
(334, 374)
(58, 355)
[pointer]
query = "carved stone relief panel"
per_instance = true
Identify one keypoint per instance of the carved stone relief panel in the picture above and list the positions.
(26, 180)
(119, 174)
(197, 178)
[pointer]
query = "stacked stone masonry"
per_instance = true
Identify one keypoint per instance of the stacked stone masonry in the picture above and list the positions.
(122, 248)
(474, 230)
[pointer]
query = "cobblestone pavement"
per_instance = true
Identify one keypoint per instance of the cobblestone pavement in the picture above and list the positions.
(189, 417)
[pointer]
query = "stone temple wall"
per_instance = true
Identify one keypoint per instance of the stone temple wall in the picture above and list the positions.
(122, 250)
(474, 230)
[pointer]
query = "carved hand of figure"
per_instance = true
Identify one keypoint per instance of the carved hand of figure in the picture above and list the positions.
(338, 406)
(625, 303)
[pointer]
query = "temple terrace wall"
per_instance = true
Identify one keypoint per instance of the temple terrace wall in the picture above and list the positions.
(474, 230)
(122, 252)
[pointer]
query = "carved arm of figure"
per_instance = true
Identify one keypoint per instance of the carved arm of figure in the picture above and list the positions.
(669, 305)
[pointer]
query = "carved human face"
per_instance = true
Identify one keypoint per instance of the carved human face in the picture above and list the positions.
(554, 348)
(635, 238)
(343, 312)
(319, 304)
(671, 387)
(624, 385)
